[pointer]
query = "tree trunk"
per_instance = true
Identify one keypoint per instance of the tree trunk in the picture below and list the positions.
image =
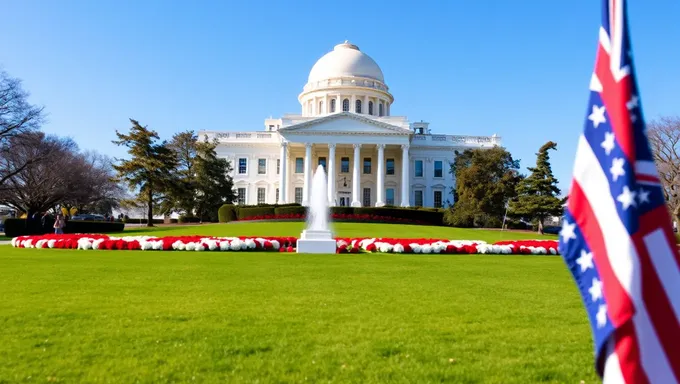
(149, 212)
(540, 226)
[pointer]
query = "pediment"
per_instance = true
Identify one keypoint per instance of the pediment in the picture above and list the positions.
(344, 123)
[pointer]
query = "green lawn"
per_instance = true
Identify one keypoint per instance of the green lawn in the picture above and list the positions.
(339, 229)
(124, 316)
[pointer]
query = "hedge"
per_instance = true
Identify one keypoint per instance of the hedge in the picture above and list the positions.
(244, 212)
(430, 216)
(290, 210)
(227, 213)
(20, 227)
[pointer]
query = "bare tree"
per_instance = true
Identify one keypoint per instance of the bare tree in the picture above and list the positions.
(63, 177)
(664, 139)
(17, 116)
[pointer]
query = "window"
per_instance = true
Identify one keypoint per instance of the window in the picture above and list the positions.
(389, 169)
(260, 195)
(345, 105)
(367, 197)
(367, 165)
(419, 130)
(437, 199)
(419, 168)
(278, 166)
(418, 197)
(332, 105)
(261, 166)
(298, 195)
(241, 196)
(277, 196)
(271, 127)
(357, 107)
(322, 161)
(321, 107)
(380, 109)
(299, 165)
(344, 165)
(242, 166)
(370, 107)
(438, 168)
(389, 196)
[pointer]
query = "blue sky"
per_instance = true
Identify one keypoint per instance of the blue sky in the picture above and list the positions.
(516, 68)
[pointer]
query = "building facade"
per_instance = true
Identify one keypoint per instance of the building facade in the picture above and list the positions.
(371, 157)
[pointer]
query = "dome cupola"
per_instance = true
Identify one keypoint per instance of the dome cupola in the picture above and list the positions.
(345, 80)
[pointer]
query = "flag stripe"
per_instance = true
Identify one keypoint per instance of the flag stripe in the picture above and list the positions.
(614, 251)
(666, 269)
(627, 352)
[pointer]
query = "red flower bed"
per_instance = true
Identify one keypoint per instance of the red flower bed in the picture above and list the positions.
(284, 244)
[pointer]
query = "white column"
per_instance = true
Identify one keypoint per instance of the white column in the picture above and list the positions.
(356, 177)
(314, 107)
(326, 106)
(338, 103)
(364, 107)
(353, 104)
(330, 169)
(283, 174)
(380, 200)
(308, 174)
(405, 180)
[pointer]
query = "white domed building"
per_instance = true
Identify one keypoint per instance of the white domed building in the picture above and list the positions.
(346, 124)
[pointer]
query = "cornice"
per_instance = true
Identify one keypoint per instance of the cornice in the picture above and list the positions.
(296, 127)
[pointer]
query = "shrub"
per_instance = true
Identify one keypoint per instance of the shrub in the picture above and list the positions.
(454, 218)
(20, 227)
(189, 219)
(247, 211)
(342, 210)
(227, 213)
(290, 210)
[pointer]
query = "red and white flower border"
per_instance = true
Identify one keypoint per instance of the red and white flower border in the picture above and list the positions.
(284, 244)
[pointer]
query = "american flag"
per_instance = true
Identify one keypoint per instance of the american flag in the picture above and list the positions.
(617, 238)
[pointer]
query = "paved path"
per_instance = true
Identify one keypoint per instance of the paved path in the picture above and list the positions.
(5, 242)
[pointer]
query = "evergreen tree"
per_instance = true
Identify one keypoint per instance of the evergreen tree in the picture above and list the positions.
(203, 180)
(182, 194)
(150, 169)
(537, 195)
(214, 184)
(485, 180)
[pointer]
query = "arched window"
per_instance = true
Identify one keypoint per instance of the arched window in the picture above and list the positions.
(357, 109)
(332, 105)
(345, 105)
(321, 107)
(380, 109)
(370, 107)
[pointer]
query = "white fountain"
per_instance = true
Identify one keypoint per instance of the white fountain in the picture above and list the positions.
(317, 238)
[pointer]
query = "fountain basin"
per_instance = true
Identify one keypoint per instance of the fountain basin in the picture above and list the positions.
(316, 241)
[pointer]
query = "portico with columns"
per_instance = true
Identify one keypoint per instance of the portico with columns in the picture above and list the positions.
(353, 151)
(371, 157)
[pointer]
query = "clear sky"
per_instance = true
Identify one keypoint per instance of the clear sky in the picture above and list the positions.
(519, 69)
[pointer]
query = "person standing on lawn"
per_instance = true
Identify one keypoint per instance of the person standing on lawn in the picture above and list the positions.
(59, 224)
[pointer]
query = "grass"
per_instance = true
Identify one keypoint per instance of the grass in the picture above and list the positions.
(132, 316)
(339, 229)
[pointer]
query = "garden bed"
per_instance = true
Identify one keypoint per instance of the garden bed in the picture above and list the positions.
(284, 244)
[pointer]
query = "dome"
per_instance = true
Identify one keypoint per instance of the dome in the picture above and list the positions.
(346, 60)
